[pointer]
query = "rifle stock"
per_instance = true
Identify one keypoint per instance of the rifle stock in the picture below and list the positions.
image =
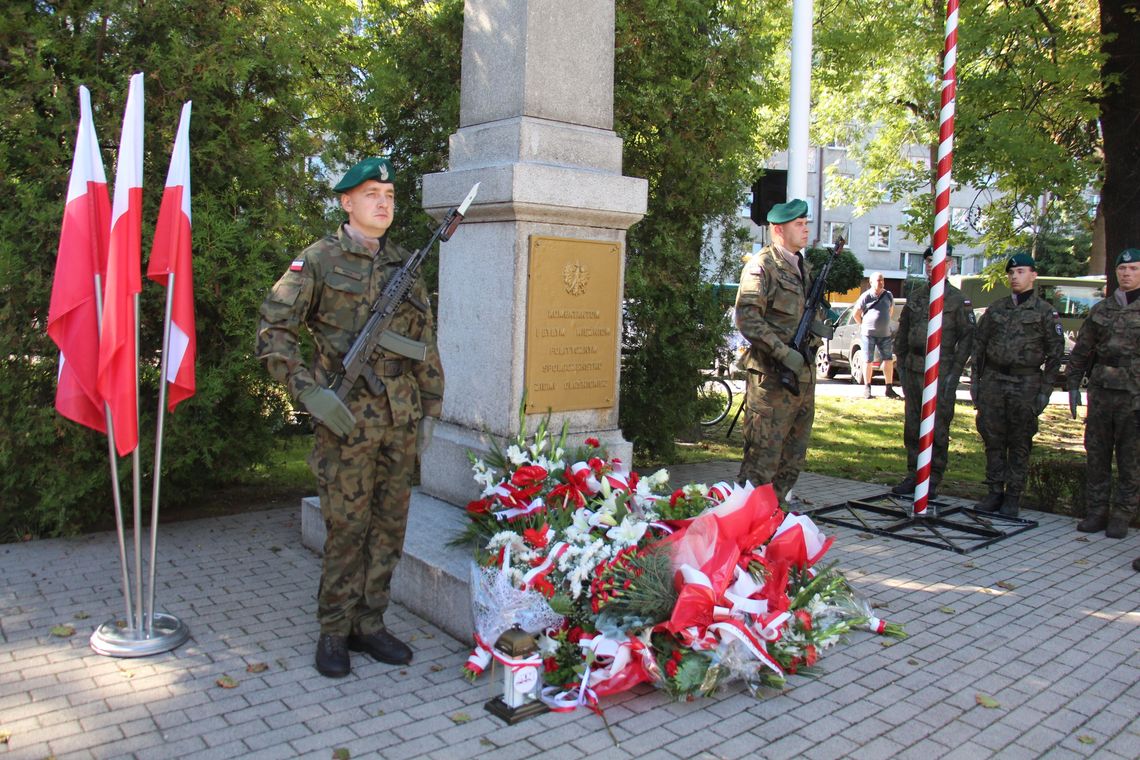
(800, 341)
(357, 362)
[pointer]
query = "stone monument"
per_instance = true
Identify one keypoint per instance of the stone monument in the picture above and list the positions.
(530, 285)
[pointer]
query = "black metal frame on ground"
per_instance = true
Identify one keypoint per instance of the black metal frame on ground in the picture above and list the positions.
(958, 529)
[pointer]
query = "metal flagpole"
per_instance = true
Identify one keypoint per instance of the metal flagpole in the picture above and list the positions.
(116, 494)
(136, 484)
(938, 273)
(158, 452)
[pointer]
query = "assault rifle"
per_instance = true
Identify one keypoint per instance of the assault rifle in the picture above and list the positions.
(800, 341)
(375, 335)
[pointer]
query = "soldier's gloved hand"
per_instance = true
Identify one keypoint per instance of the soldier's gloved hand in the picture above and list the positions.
(1074, 400)
(1042, 401)
(793, 360)
(424, 435)
(329, 410)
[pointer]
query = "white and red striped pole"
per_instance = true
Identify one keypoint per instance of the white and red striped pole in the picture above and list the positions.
(938, 274)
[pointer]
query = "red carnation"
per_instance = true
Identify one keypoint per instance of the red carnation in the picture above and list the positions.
(550, 664)
(536, 537)
(671, 668)
(810, 654)
(805, 619)
(593, 443)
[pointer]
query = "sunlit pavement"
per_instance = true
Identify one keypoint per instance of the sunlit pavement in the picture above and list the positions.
(1042, 628)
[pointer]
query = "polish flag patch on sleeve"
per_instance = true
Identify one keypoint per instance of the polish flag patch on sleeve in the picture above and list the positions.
(297, 265)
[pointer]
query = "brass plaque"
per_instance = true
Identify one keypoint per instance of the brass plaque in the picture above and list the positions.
(572, 324)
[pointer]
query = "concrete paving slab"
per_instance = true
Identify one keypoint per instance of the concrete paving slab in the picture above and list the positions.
(1057, 646)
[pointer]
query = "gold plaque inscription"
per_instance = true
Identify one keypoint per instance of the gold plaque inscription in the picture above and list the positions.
(572, 324)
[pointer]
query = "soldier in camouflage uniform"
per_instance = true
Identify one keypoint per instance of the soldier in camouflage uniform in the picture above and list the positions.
(910, 358)
(365, 449)
(769, 304)
(1015, 337)
(1106, 352)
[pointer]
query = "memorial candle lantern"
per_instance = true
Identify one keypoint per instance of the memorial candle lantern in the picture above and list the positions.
(522, 677)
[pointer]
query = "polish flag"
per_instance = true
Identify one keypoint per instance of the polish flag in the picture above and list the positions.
(170, 254)
(118, 350)
(73, 322)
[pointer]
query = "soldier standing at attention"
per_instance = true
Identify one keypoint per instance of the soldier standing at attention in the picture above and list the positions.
(910, 359)
(365, 449)
(1106, 352)
(1015, 337)
(769, 305)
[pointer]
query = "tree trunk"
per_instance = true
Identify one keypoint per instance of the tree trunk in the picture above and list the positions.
(1120, 120)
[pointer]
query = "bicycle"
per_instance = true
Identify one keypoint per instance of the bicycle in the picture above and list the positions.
(714, 397)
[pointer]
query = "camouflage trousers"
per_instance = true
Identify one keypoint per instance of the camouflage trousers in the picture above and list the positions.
(364, 485)
(1110, 428)
(912, 382)
(1007, 422)
(777, 428)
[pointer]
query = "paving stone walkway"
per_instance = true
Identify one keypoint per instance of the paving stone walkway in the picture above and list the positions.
(1047, 623)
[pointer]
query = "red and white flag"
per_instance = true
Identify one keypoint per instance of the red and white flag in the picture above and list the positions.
(73, 321)
(118, 351)
(170, 254)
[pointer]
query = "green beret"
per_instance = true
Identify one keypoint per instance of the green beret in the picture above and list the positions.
(377, 168)
(782, 213)
(929, 252)
(1021, 259)
(1128, 256)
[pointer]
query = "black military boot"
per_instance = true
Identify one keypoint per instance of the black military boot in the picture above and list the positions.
(1136, 564)
(1095, 521)
(1010, 505)
(905, 486)
(1117, 526)
(992, 502)
(332, 656)
(383, 646)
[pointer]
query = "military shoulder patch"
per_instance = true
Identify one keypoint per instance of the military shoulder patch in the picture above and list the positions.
(297, 265)
(1060, 330)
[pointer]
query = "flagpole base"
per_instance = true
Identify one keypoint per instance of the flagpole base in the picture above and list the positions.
(112, 641)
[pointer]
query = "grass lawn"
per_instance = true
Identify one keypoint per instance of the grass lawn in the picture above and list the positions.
(861, 439)
(853, 438)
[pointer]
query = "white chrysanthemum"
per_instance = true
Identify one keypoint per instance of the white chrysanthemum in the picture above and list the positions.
(657, 480)
(696, 489)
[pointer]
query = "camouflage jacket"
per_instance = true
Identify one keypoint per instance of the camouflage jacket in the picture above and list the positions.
(957, 330)
(1021, 336)
(1106, 348)
(330, 289)
(769, 304)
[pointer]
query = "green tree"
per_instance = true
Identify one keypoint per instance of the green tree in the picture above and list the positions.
(688, 93)
(255, 70)
(1119, 115)
(1025, 112)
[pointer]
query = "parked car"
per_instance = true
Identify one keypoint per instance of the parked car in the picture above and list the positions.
(843, 352)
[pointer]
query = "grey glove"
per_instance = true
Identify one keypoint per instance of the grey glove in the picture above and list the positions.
(424, 436)
(793, 360)
(327, 409)
(1074, 400)
(1042, 401)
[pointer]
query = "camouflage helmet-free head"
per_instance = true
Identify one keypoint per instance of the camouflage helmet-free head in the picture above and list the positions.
(377, 168)
(1128, 256)
(782, 213)
(1020, 259)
